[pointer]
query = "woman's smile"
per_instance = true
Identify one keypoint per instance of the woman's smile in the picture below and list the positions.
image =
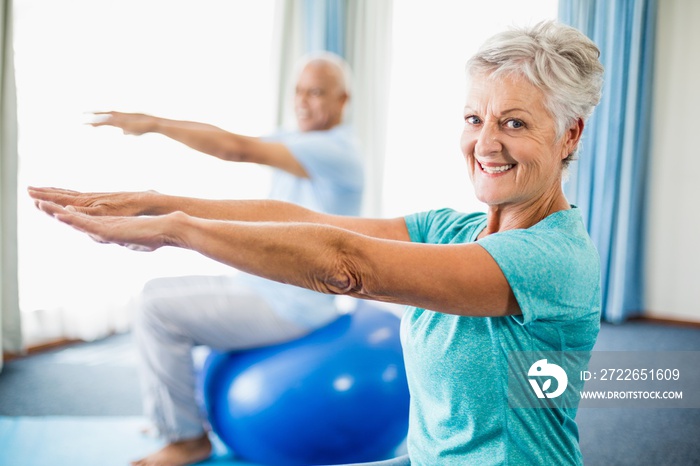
(495, 169)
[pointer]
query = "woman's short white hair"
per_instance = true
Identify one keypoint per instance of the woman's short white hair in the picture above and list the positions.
(558, 59)
(333, 60)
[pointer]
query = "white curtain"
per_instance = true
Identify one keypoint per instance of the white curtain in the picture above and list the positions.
(10, 333)
(288, 48)
(203, 61)
(367, 49)
(424, 166)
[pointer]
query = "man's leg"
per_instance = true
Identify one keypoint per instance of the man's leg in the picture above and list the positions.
(176, 314)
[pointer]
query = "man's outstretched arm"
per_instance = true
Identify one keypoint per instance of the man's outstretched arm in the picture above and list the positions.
(206, 138)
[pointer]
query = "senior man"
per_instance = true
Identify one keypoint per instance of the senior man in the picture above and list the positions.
(317, 166)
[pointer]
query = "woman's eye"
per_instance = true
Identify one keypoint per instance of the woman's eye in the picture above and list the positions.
(515, 124)
(472, 120)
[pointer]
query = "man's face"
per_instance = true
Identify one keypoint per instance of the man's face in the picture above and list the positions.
(318, 98)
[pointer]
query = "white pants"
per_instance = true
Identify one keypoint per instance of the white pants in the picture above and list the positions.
(176, 314)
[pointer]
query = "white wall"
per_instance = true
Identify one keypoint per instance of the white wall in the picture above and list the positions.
(673, 246)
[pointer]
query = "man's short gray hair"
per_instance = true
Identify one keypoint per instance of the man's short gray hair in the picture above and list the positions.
(556, 58)
(332, 59)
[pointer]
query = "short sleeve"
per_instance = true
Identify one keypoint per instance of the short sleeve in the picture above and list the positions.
(554, 274)
(444, 226)
(331, 156)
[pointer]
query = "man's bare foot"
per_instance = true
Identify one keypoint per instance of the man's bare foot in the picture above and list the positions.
(180, 453)
(149, 431)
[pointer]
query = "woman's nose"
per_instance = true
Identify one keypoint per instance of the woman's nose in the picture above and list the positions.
(488, 141)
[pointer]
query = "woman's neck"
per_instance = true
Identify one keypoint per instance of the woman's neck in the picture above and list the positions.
(520, 216)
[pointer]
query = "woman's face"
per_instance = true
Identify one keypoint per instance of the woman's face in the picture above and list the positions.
(509, 142)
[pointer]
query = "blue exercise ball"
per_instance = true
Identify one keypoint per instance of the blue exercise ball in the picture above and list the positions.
(338, 395)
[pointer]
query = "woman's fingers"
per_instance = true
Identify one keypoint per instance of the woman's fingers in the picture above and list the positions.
(57, 195)
(51, 189)
(76, 210)
(88, 203)
(132, 233)
(49, 207)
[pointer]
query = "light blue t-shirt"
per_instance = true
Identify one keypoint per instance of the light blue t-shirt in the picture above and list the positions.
(335, 185)
(332, 160)
(457, 366)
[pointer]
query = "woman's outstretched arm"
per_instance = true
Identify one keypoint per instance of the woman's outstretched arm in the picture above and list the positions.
(458, 279)
(151, 203)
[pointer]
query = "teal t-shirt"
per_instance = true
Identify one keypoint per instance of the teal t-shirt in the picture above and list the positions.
(457, 366)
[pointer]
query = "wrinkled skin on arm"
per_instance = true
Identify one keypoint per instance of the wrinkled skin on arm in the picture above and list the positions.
(364, 258)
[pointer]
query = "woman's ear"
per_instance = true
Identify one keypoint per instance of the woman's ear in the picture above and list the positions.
(572, 137)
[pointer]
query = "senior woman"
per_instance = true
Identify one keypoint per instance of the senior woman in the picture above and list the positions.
(524, 276)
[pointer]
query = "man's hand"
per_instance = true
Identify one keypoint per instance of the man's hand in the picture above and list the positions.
(129, 123)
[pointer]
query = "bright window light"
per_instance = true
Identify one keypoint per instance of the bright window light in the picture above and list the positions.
(206, 61)
(432, 41)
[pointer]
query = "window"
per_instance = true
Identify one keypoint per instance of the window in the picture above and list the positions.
(431, 44)
(205, 61)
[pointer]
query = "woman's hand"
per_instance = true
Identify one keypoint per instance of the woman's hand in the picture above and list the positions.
(119, 204)
(136, 233)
